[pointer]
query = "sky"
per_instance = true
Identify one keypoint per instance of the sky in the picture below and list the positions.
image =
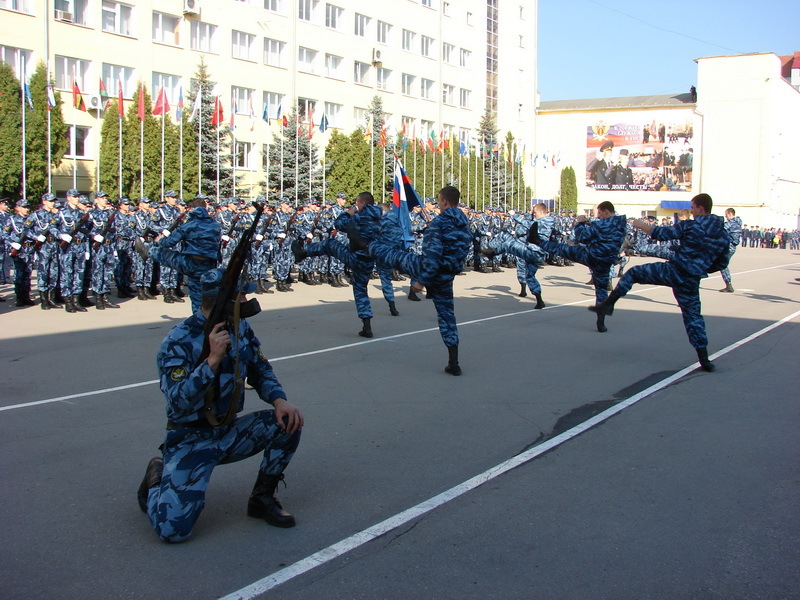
(610, 48)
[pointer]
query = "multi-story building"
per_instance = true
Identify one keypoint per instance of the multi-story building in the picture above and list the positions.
(435, 64)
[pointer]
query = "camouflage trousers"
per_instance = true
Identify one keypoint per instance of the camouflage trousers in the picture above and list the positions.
(187, 265)
(580, 254)
(47, 267)
(190, 456)
(103, 264)
(72, 263)
(526, 275)
(685, 288)
(441, 291)
(143, 269)
(726, 272)
(360, 268)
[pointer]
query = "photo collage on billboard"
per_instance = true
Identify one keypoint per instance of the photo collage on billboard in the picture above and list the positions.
(640, 152)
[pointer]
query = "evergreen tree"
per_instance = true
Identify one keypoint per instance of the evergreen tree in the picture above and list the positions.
(569, 189)
(134, 177)
(212, 160)
(190, 158)
(382, 161)
(348, 157)
(293, 164)
(10, 129)
(36, 135)
(490, 152)
(109, 152)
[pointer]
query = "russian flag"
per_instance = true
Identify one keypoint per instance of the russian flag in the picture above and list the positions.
(404, 199)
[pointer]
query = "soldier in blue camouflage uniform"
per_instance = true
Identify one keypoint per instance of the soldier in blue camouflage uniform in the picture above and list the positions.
(125, 226)
(20, 239)
(364, 215)
(445, 245)
(145, 236)
(258, 258)
(392, 236)
(46, 232)
(192, 249)
(164, 217)
(335, 266)
(4, 269)
(733, 225)
(172, 493)
(601, 241)
(303, 224)
(73, 225)
(228, 218)
(704, 248)
(103, 249)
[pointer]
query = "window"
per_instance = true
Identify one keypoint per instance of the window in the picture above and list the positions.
(426, 127)
(383, 78)
(428, 3)
(408, 40)
(426, 44)
(448, 93)
(408, 84)
(77, 9)
(408, 125)
(23, 6)
(170, 83)
(361, 116)
(240, 99)
(242, 45)
(464, 57)
(334, 114)
(469, 18)
(361, 73)
(243, 154)
(70, 69)
(522, 41)
(426, 89)
(16, 58)
(274, 5)
(447, 52)
(361, 25)
(117, 18)
(333, 16)
(274, 53)
(272, 102)
(521, 13)
(305, 108)
(166, 29)
(463, 98)
(306, 58)
(384, 32)
(333, 66)
(78, 141)
(305, 9)
(113, 74)
(204, 37)
(446, 9)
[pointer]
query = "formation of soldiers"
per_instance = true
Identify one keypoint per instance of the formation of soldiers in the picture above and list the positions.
(80, 248)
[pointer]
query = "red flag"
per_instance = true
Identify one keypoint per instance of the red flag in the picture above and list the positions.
(217, 116)
(310, 125)
(285, 121)
(104, 95)
(120, 107)
(162, 104)
(77, 97)
(141, 103)
(383, 135)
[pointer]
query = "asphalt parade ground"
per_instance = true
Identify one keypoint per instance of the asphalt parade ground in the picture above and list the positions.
(563, 463)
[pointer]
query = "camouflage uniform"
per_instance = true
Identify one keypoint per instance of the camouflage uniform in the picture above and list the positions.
(734, 228)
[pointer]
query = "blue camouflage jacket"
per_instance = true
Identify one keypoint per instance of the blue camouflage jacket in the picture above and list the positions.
(603, 237)
(200, 233)
(445, 245)
(184, 382)
(703, 242)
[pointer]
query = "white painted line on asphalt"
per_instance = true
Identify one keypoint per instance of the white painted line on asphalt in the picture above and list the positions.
(362, 537)
(345, 346)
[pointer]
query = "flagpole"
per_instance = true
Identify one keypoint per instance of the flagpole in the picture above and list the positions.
(119, 158)
(297, 159)
(163, 119)
(97, 162)
(74, 130)
(23, 99)
(283, 129)
(180, 142)
(371, 155)
(49, 91)
(215, 108)
(49, 147)
(199, 99)
(310, 192)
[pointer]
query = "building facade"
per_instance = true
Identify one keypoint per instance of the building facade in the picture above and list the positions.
(435, 64)
(734, 137)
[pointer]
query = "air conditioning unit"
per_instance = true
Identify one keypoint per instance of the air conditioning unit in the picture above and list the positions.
(62, 15)
(93, 102)
(376, 56)
(191, 7)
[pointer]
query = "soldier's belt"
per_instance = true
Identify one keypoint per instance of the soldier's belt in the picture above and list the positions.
(198, 424)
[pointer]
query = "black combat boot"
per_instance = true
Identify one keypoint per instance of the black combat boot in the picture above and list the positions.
(452, 364)
(366, 329)
(342, 282)
(168, 298)
(98, 302)
(606, 307)
(522, 291)
(51, 299)
(393, 309)
(140, 293)
(45, 304)
(77, 305)
(728, 288)
(152, 478)
(412, 295)
(539, 301)
(106, 302)
(601, 323)
(705, 363)
(264, 505)
(83, 300)
(149, 293)
(24, 299)
(68, 306)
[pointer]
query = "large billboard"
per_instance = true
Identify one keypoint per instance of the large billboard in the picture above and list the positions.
(640, 151)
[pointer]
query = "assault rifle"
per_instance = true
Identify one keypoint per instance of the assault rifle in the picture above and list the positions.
(104, 232)
(226, 237)
(263, 230)
(223, 311)
(64, 243)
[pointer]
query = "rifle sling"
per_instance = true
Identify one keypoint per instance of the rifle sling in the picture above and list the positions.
(238, 381)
